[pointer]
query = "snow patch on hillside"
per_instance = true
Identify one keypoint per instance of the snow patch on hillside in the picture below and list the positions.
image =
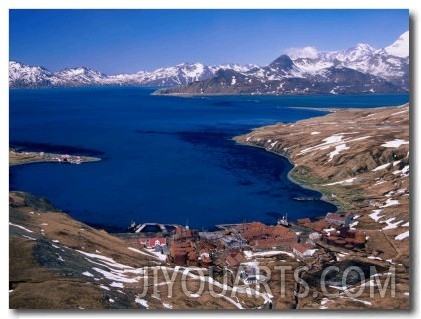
(395, 143)
(402, 236)
(339, 148)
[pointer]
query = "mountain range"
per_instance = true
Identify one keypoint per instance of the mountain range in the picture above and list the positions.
(360, 69)
(25, 76)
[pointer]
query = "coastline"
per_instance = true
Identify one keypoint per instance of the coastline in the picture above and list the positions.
(290, 177)
(361, 167)
(55, 247)
(324, 196)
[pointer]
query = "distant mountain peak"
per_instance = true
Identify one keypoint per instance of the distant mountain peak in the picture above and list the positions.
(390, 63)
(365, 46)
(305, 71)
(358, 52)
(359, 69)
(400, 47)
(25, 76)
(284, 62)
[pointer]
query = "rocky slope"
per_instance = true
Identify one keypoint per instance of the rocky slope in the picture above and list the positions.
(360, 159)
(56, 262)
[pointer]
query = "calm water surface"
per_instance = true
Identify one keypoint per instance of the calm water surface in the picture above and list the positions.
(165, 159)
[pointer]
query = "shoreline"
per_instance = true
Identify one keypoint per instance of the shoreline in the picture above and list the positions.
(290, 178)
(47, 239)
(17, 158)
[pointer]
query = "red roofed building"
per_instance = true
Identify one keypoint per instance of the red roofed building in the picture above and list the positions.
(184, 233)
(253, 230)
(319, 225)
(338, 219)
(205, 258)
(192, 258)
(303, 221)
(282, 233)
(180, 258)
(262, 236)
(152, 242)
(182, 253)
(302, 251)
(235, 259)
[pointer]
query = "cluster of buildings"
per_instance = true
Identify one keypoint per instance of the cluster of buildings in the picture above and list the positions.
(68, 159)
(335, 230)
(261, 236)
(225, 247)
(187, 247)
(71, 159)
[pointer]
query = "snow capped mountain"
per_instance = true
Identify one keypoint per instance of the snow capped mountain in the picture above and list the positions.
(21, 75)
(76, 76)
(233, 66)
(357, 53)
(307, 66)
(400, 47)
(283, 77)
(389, 64)
(360, 69)
(180, 74)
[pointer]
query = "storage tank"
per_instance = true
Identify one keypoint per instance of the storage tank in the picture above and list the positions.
(340, 242)
(351, 233)
(180, 258)
(331, 240)
(349, 241)
(360, 237)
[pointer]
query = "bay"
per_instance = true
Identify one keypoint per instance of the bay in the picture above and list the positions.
(165, 159)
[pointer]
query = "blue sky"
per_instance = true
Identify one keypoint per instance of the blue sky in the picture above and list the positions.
(126, 41)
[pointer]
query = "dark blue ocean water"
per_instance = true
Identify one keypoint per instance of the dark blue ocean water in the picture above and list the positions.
(165, 159)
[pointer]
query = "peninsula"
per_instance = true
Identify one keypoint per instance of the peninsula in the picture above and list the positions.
(359, 159)
(19, 157)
